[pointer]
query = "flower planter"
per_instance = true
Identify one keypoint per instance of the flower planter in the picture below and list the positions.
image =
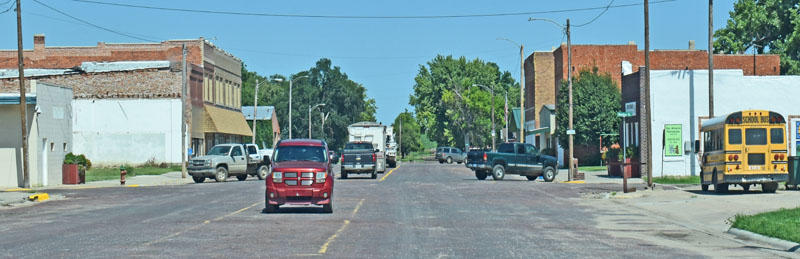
(612, 167)
(69, 174)
(633, 168)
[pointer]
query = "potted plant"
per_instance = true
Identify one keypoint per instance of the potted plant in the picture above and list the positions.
(632, 161)
(613, 156)
(74, 169)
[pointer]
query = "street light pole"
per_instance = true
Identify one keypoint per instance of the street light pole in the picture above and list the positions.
(255, 109)
(521, 91)
(310, 108)
(493, 124)
(290, 101)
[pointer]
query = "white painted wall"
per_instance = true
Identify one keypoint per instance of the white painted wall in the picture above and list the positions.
(681, 97)
(117, 131)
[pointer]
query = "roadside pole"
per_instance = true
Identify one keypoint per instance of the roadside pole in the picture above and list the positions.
(26, 182)
(255, 110)
(183, 114)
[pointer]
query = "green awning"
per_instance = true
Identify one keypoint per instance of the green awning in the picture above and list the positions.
(515, 120)
(539, 131)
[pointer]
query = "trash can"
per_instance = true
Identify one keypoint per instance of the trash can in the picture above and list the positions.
(794, 173)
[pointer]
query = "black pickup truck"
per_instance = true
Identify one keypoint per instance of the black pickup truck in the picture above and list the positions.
(512, 158)
(358, 158)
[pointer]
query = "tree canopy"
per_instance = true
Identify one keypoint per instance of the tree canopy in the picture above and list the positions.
(448, 107)
(595, 104)
(411, 140)
(346, 102)
(768, 26)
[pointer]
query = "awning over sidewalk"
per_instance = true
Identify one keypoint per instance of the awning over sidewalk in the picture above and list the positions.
(218, 120)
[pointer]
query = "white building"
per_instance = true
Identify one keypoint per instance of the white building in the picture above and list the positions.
(679, 98)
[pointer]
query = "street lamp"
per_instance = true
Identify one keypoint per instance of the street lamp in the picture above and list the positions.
(255, 110)
(290, 100)
(310, 108)
(493, 125)
(570, 131)
(521, 92)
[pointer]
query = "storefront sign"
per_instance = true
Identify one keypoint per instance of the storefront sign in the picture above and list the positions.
(673, 139)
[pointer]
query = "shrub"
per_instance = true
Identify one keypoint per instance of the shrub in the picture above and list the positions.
(80, 160)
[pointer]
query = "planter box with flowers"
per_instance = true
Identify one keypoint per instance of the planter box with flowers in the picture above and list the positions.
(613, 156)
(73, 171)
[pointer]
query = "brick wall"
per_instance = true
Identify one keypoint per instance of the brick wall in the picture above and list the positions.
(150, 83)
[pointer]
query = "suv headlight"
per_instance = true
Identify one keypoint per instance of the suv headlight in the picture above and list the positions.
(321, 177)
(277, 177)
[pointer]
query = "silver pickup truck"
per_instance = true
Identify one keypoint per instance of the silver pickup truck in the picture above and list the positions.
(225, 160)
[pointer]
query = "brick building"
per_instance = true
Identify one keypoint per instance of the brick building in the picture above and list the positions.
(214, 80)
(544, 70)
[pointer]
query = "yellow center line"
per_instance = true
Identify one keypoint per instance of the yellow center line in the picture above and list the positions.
(387, 174)
(324, 247)
(199, 225)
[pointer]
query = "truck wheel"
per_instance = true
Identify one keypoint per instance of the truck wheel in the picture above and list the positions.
(531, 178)
(328, 208)
(703, 186)
(549, 174)
(449, 160)
(344, 175)
(721, 188)
(242, 177)
(769, 187)
(498, 171)
(270, 208)
(262, 172)
(199, 179)
(221, 175)
(441, 161)
(480, 174)
(374, 174)
(746, 187)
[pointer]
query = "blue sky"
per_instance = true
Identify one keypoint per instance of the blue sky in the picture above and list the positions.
(382, 54)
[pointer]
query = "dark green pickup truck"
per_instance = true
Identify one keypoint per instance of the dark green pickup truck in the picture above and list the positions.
(512, 158)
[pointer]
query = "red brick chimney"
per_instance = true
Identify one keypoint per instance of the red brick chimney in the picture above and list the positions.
(38, 41)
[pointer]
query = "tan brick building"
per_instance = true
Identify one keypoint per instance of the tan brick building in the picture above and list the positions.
(545, 70)
(214, 80)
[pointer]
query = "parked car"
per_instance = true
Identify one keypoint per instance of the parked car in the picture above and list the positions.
(450, 155)
(301, 175)
(512, 158)
(225, 160)
(358, 157)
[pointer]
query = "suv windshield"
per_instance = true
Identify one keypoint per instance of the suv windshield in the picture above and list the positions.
(300, 153)
(358, 146)
(219, 151)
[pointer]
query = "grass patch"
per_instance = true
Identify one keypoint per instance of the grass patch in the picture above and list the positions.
(594, 168)
(415, 156)
(111, 173)
(676, 179)
(783, 224)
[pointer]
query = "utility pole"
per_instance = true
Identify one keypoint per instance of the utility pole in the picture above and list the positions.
(571, 129)
(711, 58)
(255, 110)
(26, 181)
(649, 151)
(505, 118)
(400, 147)
(183, 113)
(522, 93)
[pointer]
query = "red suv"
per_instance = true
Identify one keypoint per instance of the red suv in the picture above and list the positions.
(301, 175)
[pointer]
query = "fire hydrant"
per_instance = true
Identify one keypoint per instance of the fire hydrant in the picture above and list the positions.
(122, 173)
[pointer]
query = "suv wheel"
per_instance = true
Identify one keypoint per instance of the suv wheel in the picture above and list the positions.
(498, 171)
(242, 177)
(270, 208)
(480, 174)
(549, 174)
(199, 179)
(262, 172)
(221, 175)
(344, 175)
(328, 208)
(449, 160)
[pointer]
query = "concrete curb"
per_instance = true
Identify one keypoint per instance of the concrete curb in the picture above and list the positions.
(776, 242)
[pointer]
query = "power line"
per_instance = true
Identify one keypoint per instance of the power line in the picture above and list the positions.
(366, 17)
(358, 57)
(74, 22)
(9, 8)
(598, 16)
(94, 25)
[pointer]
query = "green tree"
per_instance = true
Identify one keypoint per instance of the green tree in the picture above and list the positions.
(264, 128)
(346, 102)
(768, 26)
(448, 107)
(595, 104)
(411, 140)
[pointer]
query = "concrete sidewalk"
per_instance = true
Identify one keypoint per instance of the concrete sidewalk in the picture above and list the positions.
(596, 177)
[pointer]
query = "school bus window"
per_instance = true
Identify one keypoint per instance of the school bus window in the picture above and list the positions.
(755, 136)
(735, 136)
(776, 136)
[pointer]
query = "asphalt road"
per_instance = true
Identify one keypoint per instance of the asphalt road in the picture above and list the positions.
(416, 211)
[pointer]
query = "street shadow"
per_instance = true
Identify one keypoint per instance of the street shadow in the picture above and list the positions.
(711, 192)
(504, 180)
(296, 210)
(359, 178)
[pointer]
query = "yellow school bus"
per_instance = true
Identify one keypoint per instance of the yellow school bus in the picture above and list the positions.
(744, 148)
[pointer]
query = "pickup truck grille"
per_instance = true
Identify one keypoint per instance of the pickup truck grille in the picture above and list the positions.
(198, 162)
